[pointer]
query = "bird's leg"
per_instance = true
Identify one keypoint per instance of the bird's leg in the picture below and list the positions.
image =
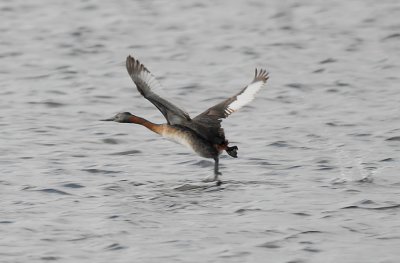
(216, 172)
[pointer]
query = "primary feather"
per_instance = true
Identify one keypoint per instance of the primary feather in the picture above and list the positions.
(248, 93)
(145, 81)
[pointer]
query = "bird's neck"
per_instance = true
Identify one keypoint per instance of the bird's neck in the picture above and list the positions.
(157, 128)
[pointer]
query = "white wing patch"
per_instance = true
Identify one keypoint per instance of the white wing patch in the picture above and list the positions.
(245, 97)
(248, 93)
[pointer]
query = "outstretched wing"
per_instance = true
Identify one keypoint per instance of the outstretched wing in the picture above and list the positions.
(212, 117)
(144, 81)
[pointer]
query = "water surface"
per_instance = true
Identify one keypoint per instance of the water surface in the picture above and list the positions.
(317, 175)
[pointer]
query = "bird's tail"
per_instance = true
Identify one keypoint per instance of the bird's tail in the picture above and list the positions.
(232, 151)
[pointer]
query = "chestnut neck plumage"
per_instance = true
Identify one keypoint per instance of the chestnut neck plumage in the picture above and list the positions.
(157, 128)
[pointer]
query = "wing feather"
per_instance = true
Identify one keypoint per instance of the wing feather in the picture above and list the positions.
(248, 93)
(234, 103)
(145, 82)
(209, 122)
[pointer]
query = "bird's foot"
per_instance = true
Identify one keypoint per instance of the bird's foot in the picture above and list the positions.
(216, 178)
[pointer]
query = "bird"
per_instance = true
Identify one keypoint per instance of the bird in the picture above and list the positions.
(203, 133)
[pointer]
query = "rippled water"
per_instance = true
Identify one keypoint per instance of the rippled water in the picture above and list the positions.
(317, 178)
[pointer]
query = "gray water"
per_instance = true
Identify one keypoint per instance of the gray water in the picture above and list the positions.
(317, 178)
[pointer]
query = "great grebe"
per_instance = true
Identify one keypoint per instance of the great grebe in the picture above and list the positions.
(203, 134)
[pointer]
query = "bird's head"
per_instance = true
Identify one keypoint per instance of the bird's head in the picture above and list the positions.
(123, 117)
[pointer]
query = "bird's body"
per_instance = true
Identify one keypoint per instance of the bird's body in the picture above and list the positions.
(191, 139)
(203, 134)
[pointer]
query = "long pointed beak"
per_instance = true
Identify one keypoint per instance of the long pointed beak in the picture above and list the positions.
(110, 119)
